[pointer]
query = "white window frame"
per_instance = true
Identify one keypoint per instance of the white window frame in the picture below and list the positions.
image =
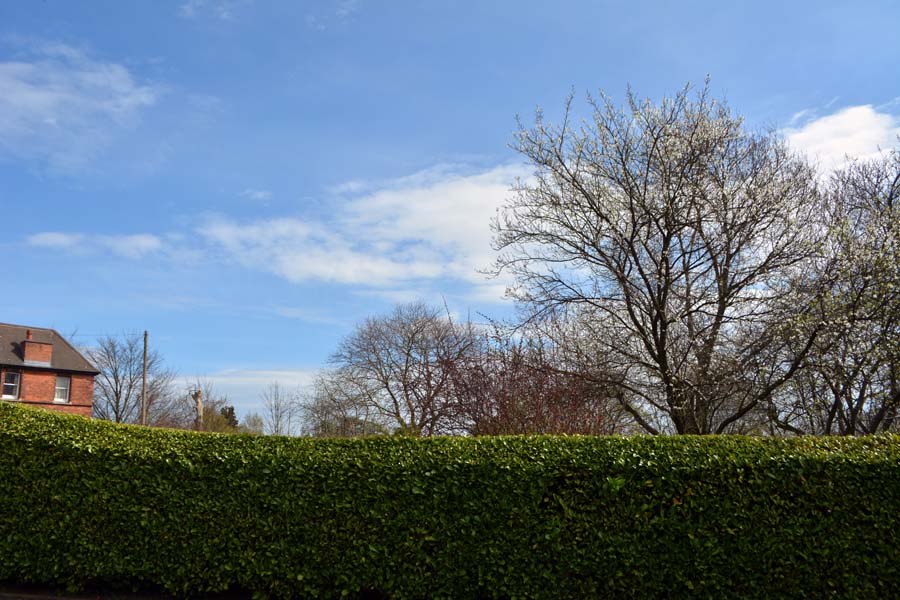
(68, 389)
(18, 384)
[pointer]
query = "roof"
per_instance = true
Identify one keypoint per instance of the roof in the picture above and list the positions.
(65, 356)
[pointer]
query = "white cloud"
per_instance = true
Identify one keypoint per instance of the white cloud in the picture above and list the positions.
(345, 8)
(257, 195)
(128, 246)
(131, 246)
(798, 116)
(402, 234)
(425, 235)
(437, 211)
(331, 14)
(494, 291)
(353, 186)
(189, 9)
(55, 239)
(855, 132)
(313, 22)
(63, 107)
(218, 9)
(402, 296)
(310, 315)
(303, 251)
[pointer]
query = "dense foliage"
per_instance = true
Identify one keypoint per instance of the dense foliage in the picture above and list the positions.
(90, 503)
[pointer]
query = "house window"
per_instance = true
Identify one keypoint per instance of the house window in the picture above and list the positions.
(62, 389)
(11, 386)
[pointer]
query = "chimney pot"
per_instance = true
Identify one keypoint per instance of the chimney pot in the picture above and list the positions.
(27, 334)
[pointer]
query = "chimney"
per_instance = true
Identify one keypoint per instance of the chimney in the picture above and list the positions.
(35, 353)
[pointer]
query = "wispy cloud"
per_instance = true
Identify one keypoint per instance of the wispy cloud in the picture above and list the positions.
(397, 236)
(345, 8)
(853, 132)
(257, 195)
(55, 239)
(127, 246)
(132, 246)
(301, 251)
(332, 13)
(352, 186)
(313, 22)
(189, 9)
(299, 313)
(426, 234)
(223, 10)
(63, 107)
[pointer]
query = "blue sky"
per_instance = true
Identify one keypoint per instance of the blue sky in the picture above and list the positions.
(247, 179)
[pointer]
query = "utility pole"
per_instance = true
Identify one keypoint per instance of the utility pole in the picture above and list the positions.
(144, 385)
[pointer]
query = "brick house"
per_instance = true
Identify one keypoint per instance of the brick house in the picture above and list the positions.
(40, 368)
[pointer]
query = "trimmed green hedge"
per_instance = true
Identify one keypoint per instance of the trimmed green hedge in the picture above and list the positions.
(96, 504)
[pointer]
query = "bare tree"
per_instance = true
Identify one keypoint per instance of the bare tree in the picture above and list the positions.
(217, 412)
(179, 410)
(519, 382)
(174, 411)
(672, 234)
(280, 410)
(334, 408)
(252, 423)
(117, 388)
(398, 367)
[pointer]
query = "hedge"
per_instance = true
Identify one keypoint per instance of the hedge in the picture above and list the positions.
(86, 503)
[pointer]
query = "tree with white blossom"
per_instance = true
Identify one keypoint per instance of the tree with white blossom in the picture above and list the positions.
(850, 383)
(672, 234)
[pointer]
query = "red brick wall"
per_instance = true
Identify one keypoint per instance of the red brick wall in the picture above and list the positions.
(38, 388)
(81, 391)
(38, 351)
